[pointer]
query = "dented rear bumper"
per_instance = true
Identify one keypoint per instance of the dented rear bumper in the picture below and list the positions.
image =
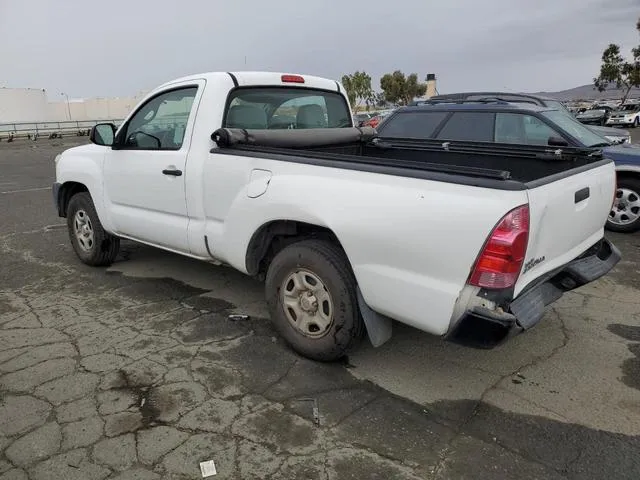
(482, 327)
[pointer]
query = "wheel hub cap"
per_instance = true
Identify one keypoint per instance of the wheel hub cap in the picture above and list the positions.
(626, 207)
(307, 303)
(83, 230)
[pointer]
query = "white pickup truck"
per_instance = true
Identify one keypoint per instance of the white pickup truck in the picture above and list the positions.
(265, 173)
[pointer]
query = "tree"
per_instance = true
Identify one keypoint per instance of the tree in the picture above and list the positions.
(616, 70)
(377, 100)
(400, 89)
(358, 87)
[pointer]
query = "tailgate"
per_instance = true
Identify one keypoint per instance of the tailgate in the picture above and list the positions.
(567, 216)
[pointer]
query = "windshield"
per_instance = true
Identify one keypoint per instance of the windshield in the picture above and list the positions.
(630, 108)
(286, 108)
(577, 130)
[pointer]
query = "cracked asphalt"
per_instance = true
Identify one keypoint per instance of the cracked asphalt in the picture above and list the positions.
(137, 372)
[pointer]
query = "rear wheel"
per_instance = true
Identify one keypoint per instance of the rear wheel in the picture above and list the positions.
(91, 243)
(311, 294)
(625, 212)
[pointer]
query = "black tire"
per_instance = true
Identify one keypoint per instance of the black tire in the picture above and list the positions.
(328, 263)
(633, 184)
(636, 122)
(104, 247)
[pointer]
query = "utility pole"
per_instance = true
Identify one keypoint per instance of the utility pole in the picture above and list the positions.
(68, 106)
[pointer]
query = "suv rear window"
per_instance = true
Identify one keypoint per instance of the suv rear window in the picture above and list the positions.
(286, 108)
(469, 127)
(419, 125)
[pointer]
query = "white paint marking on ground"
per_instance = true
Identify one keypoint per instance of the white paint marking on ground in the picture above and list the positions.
(26, 190)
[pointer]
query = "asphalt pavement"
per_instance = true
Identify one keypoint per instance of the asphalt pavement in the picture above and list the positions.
(136, 371)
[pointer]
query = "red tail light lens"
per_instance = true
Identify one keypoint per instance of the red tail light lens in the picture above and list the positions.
(500, 261)
(292, 79)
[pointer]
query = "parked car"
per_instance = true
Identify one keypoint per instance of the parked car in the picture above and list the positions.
(594, 116)
(625, 214)
(375, 121)
(626, 115)
(359, 119)
(347, 230)
(614, 135)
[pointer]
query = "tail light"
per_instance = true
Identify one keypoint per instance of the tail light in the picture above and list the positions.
(502, 255)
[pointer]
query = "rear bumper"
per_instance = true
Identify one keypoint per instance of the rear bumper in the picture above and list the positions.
(484, 328)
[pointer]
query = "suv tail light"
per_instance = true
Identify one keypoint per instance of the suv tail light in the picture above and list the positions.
(502, 255)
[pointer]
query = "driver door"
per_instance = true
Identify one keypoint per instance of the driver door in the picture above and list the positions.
(144, 172)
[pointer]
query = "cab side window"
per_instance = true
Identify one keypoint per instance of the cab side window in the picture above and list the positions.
(161, 122)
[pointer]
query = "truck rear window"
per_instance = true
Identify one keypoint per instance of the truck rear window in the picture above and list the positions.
(281, 108)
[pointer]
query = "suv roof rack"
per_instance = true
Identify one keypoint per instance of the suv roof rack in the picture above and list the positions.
(439, 100)
(504, 96)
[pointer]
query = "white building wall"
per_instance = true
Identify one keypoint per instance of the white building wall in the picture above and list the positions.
(23, 105)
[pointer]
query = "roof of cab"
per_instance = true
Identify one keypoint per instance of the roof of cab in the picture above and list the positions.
(251, 78)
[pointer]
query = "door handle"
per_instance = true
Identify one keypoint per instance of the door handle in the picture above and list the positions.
(581, 195)
(173, 172)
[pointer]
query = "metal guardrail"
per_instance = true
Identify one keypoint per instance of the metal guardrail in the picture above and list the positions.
(34, 130)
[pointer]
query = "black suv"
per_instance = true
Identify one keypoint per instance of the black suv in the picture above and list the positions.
(614, 135)
(489, 121)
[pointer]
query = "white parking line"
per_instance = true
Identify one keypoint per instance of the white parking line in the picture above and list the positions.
(26, 190)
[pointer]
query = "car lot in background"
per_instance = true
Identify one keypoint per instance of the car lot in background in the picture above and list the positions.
(94, 362)
(377, 119)
(359, 119)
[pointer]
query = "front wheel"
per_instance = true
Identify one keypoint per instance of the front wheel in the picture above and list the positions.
(91, 243)
(636, 122)
(311, 295)
(625, 211)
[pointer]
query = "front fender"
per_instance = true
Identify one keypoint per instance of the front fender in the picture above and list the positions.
(84, 165)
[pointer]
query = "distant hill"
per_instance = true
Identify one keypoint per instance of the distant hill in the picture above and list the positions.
(588, 92)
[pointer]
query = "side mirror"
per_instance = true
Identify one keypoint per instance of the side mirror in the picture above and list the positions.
(557, 142)
(103, 134)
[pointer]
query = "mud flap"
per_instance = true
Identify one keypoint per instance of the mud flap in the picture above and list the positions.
(379, 327)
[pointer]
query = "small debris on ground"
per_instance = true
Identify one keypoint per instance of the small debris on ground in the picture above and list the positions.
(234, 318)
(208, 469)
(315, 411)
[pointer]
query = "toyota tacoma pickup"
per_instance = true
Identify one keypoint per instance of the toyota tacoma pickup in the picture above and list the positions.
(349, 230)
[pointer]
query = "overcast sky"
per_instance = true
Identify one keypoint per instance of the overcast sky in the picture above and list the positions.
(119, 47)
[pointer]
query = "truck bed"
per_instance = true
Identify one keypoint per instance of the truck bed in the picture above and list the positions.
(501, 166)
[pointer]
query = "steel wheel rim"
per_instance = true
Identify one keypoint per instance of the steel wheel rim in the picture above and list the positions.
(83, 229)
(626, 207)
(307, 303)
